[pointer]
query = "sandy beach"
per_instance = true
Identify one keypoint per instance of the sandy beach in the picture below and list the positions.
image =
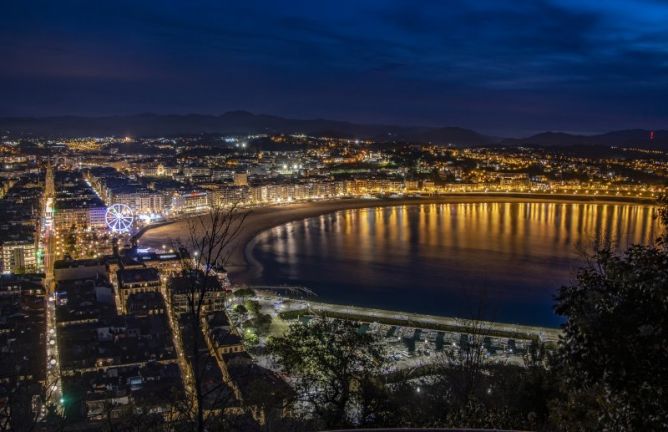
(259, 219)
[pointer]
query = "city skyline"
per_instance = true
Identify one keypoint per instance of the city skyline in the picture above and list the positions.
(108, 243)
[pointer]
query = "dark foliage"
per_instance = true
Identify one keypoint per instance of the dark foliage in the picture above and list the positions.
(613, 353)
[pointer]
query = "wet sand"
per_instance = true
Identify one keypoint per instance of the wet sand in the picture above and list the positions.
(240, 264)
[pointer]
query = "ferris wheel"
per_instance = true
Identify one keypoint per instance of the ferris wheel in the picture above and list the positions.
(119, 218)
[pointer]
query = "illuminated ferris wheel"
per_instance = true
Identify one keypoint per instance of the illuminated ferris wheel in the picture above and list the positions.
(119, 218)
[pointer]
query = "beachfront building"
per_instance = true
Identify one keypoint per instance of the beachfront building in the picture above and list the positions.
(358, 187)
(189, 202)
(230, 195)
(140, 200)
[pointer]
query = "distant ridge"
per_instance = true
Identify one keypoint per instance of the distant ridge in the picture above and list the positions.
(638, 138)
(243, 122)
(233, 122)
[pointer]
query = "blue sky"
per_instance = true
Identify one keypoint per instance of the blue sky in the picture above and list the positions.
(504, 67)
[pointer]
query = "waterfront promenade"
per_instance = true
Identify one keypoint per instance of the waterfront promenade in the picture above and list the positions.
(432, 322)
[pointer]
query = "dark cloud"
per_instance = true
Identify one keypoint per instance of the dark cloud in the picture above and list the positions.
(501, 66)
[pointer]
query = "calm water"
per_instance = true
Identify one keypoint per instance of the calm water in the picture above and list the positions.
(449, 259)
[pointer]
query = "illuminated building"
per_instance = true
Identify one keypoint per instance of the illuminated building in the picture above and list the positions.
(240, 179)
(18, 256)
(136, 281)
(82, 215)
(189, 202)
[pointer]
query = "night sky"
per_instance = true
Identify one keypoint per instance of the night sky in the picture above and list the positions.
(506, 67)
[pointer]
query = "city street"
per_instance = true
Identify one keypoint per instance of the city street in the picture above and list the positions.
(53, 388)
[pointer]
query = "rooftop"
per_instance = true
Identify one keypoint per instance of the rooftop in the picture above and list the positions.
(138, 275)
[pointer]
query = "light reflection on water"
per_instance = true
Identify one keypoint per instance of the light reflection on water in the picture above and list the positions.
(449, 259)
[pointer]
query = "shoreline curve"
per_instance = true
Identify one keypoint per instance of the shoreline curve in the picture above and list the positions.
(242, 265)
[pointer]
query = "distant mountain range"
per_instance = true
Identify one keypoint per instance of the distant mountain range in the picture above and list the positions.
(242, 122)
(637, 138)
